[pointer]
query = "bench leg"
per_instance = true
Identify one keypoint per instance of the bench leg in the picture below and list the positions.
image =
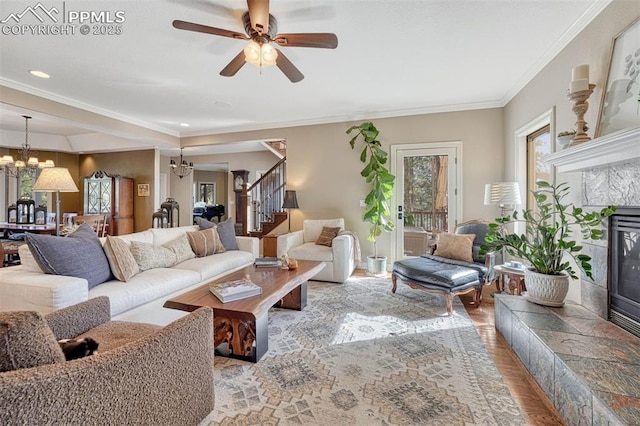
(449, 297)
(477, 296)
(394, 280)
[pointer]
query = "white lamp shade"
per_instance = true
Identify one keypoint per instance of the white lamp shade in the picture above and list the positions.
(55, 179)
(503, 193)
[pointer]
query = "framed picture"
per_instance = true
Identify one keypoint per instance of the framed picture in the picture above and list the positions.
(143, 190)
(620, 105)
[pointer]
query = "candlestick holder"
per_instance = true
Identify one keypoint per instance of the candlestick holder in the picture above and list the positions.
(580, 107)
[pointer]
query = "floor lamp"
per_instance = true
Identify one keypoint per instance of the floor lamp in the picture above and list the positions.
(55, 179)
(290, 202)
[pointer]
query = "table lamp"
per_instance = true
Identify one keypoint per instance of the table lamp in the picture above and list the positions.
(55, 179)
(502, 193)
(290, 202)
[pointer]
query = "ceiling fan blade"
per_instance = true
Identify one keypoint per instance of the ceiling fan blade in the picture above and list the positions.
(288, 68)
(234, 66)
(259, 15)
(190, 26)
(321, 40)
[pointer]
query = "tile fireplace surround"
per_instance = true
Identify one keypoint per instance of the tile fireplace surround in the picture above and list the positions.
(588, 367)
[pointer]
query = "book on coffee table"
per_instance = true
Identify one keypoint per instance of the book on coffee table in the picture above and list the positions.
(266, 262)
(229, 291)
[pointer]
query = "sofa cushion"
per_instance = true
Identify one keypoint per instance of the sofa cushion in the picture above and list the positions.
(311, 251)
(181, 247)
(226, 231)
(27, 260)
(79, 254)
(164, 235)
(313, 228)
(148, 285)
(455, 246)
(327, 235)
(205, 242)
(113, 334)
(122, 262)
(26, 341)
(150, 256)
(211, 266)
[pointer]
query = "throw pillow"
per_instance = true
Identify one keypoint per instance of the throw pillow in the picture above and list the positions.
(26, 341)
(205, 243)
(455, 246)
(204, 223)
(227, 232)
(123, 264)
(79, 254)
(327, 235)
(150, 256)
(181, 247)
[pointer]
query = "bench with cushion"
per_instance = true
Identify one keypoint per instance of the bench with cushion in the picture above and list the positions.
(454, 268)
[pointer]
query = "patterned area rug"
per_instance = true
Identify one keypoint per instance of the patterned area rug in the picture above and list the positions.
(361, 355)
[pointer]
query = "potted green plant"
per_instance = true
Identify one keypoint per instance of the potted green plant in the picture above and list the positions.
(565, 137)
(375, 173)
(547, 244)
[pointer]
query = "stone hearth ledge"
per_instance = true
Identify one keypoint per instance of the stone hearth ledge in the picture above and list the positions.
(588, 367)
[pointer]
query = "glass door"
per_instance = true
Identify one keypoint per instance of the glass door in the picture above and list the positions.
(425, 197)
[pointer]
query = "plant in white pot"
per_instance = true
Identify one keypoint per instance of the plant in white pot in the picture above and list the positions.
(547, 243)
(377, 211)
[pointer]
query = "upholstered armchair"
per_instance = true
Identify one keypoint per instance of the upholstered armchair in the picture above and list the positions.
(339, 256)
(143, 374)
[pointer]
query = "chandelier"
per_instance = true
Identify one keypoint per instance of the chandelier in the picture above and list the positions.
(183, 169)
(28, 159)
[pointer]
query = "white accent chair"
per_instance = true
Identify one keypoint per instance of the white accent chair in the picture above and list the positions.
(301, 245)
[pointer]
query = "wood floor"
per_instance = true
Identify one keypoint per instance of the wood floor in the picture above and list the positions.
(534, 404)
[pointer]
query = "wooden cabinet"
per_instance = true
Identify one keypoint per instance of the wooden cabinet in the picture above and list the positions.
(111, 195)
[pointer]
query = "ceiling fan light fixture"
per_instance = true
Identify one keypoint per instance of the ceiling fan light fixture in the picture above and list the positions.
(261, 55)
(269, 54)
(252, 53)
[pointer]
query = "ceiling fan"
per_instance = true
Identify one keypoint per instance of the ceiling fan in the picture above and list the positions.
(262, 29)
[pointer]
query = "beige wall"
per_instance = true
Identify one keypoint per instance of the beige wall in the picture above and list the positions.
(138, 165)
(548, 89)
(326, 173)
(181, 189)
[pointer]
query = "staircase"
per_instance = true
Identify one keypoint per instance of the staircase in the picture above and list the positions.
(263, 201)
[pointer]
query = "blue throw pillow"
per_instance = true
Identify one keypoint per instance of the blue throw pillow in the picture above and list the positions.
(79, 254)
(226, 231)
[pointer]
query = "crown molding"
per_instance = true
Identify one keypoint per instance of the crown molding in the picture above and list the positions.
(84, 106)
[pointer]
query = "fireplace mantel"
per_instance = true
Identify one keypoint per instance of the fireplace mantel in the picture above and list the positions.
(622, 146)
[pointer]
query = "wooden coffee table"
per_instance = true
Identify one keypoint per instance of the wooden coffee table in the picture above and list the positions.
(240, 327)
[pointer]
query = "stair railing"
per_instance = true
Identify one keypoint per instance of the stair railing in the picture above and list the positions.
(265, 196)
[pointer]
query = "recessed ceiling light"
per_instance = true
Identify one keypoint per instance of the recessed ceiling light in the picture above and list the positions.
(184, 124)
(39, 74)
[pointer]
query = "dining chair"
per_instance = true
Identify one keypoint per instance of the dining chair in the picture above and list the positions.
(96, 221)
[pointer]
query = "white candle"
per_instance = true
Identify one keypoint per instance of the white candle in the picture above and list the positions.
(579, 85)
(580, 72)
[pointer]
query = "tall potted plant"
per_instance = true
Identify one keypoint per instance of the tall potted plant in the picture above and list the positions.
(547, 243)
(377, 211)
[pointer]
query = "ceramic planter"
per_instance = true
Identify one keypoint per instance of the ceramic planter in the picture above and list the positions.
(377, 265)
(546, 290)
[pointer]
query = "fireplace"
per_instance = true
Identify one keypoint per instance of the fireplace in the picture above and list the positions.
(624, 269)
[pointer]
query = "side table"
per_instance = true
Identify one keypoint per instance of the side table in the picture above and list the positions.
(515, 277)
(269, 245)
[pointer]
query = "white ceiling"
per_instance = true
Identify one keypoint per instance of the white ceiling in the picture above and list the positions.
(393, 58)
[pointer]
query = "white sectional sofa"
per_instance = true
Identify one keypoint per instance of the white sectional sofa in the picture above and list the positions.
(139, 299)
